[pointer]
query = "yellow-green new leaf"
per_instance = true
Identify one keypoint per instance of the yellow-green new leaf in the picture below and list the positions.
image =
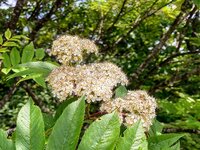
(39, 54)
(30, 134)
(1, 39)
(8, 34)
(15, 56)
(6, 60)
(28, 53)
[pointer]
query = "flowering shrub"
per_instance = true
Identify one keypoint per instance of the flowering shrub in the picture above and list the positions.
(80, 85)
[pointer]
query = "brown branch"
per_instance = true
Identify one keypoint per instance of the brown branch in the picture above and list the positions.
(7, 97)
(40, 23)
(139, 20)
(36, 11)
(168, 60)
(178, 130)
(148, 13)
(36, 99)
(175, 78)
(118, 16)
(180, 39)
(16, 13)
(163, 40)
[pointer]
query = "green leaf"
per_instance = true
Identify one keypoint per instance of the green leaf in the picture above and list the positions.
(175, 147)
(41, 68)
(163, 142)
(3, 50)
(1, 39)
(197, 2)
(5, 144)
(31, 76)
(8, 34)
(14, 56)
(6, 70)
(133, 139)
(39, 53)
(66, 131)
(6, 60)
(40, 81)
(25, 72)
(39, 65)
(121, 91)
(11, 44)
(20, 37)
(30, 128)
(156, 128)
(28, 53)
(48, 121)
(102, 134)
(62, 106)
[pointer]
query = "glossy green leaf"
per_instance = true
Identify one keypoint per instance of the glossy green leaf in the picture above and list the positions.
(163, 142)
(28, 53)
(39, 53)
(14, 56)
(101, 134)
(30, 128)
(11, 44)
(121, 91)
(66, 131)
(8, 34)
(133, 139)
(5, 144)
(6, 60)
(1, 39)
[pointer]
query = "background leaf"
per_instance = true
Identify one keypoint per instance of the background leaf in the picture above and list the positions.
(197, 2)
(5, 144)
(163, 142)
(1, 39)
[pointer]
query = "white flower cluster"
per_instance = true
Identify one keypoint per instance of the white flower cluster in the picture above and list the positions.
(96, 81)
(70, 49)
(136, 105)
